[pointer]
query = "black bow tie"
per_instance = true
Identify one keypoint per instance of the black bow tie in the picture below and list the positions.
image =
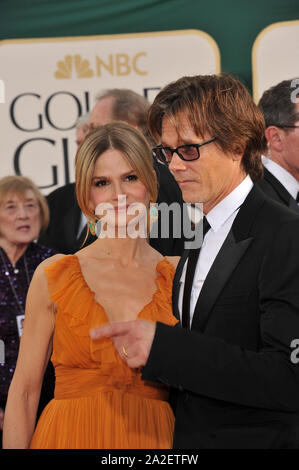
(297, 198)
(205, 226)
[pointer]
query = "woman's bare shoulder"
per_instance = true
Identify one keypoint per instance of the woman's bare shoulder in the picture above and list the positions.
(47, 262)
(38, 292)
(157, 256)
(174, 260)
(39, 288)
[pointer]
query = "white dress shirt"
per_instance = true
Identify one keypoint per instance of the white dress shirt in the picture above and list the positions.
(283, 176)
(220, 218)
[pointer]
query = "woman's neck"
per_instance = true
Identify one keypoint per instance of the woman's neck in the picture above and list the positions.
(14, 251)
(126, 250)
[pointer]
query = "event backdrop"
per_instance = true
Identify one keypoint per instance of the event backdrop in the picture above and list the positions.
(60, 78)
(56, 55)
(275, 57)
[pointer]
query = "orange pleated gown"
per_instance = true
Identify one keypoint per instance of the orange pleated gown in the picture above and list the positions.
(99, 402)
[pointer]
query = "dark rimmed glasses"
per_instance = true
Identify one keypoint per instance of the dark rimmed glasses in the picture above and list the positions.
(187, 152)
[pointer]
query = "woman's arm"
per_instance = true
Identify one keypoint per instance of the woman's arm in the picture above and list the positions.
(34, 354)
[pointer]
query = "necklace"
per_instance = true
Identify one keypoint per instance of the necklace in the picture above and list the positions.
(6, 272)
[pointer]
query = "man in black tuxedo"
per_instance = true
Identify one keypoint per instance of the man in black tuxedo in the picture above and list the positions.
(67, 229)
(232, 360)
(281, 159)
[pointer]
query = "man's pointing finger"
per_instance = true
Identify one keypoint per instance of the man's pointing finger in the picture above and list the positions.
(110, 330)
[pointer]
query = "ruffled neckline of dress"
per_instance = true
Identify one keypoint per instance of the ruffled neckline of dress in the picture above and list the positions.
(80, 312)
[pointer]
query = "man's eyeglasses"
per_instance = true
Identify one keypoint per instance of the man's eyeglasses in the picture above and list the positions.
(188, 152)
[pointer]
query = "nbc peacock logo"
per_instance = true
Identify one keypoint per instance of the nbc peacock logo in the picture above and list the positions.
(114, 64)
(75, 63)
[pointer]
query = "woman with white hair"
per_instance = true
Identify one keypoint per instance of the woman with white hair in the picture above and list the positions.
(23, 215)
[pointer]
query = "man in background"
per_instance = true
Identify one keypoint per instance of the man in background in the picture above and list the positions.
(281, 159)
(82, 128)
(67, 228)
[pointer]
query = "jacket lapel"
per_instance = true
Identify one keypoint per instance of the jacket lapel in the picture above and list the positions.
(233, 249)
(277, 186)
(176, 284)
(226, 261)
(284, 195)
(293, 205)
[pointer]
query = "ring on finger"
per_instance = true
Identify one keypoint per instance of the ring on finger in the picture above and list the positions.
(125, 351)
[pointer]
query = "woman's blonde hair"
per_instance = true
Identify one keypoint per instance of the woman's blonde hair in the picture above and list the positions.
(127, 140)
(18, 185)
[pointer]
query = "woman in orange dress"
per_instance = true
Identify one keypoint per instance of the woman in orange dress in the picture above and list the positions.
(99, 402)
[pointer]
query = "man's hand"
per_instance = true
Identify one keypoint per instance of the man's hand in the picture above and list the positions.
(132, 340)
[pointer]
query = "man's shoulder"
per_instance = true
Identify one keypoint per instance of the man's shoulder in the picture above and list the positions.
(63, 195)
(67, 189)
(275, 215)
(263, 216)
(271, 186)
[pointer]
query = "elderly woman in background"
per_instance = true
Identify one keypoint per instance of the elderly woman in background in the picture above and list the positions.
(23, 215)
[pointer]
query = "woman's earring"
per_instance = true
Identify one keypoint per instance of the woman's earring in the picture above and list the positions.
(92, 228)
(153, 213)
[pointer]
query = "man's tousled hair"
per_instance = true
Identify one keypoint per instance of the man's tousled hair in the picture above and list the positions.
(216, 106)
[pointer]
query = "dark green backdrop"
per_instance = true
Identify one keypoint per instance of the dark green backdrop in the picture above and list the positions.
(234, 24)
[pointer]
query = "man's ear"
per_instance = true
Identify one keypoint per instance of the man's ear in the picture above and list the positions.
(237, 153)
(237, 156)
(275, 138)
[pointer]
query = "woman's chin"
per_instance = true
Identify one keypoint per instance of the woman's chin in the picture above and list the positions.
(25, 238)
(124, 229)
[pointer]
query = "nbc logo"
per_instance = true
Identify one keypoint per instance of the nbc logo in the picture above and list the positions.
(113, 64)
(65, 67)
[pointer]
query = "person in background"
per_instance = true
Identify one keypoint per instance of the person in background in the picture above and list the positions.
(99, 402)
(67, 229)
(281, 144)
(23, 215)
(82, 128)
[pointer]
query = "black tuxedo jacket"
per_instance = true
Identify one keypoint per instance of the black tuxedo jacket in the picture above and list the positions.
(235, 382)
(65, 215)
(274, 189)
